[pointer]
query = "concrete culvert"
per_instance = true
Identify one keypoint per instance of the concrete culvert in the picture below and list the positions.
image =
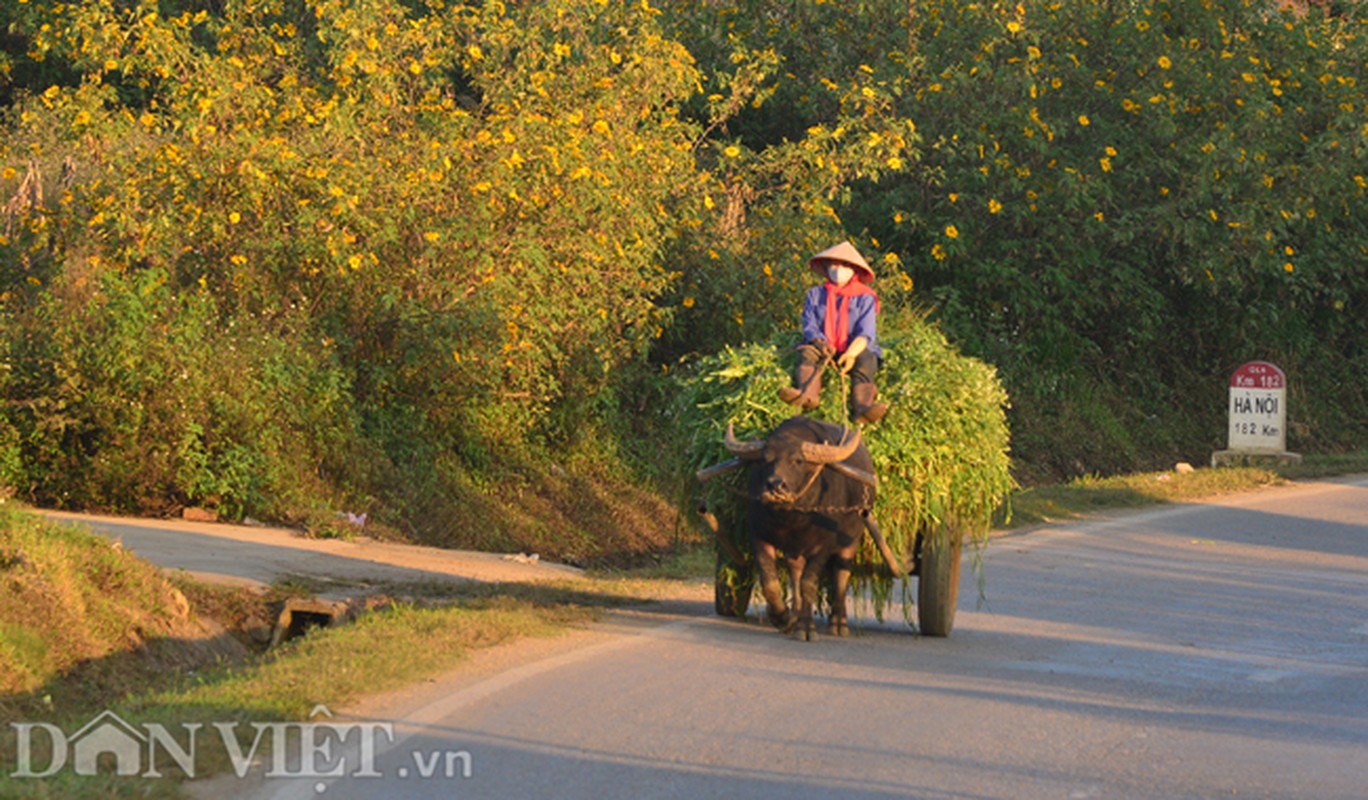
(298, 615)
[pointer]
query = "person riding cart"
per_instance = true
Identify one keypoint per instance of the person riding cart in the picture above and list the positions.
(839, 322)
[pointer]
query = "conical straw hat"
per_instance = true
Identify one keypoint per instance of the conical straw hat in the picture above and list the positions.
(845, 253)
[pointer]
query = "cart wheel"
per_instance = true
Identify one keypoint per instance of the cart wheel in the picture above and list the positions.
(938, 583)
(732, 588)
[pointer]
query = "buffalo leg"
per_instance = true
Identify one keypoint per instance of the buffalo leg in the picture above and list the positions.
(840, 584)
(779, 615)
(812, 577)
(795, 570)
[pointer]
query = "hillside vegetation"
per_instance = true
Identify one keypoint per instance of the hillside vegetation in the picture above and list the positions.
(440, 262)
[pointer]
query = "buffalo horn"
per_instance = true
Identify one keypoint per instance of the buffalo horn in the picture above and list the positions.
(708, 473)
(867, 478)
(751, 448)
(831, 453)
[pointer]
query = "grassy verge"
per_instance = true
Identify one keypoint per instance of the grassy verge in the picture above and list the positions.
(421, 637)
(1090, 495)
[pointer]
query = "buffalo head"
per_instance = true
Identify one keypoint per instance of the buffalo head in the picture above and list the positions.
(789, 460)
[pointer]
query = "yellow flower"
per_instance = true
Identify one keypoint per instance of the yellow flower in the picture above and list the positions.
(938, 252)
(951, 231)
(994, 206)
(1106, 164)
(235, 217)
(1111, 151)
(688, 302)
(1164, 62)
(895, 163)
(732, 151)
(432, 236)
(1014, 26)
(1099, 216)
(1288, 267)
(475, 52)
(954, 197)
(1083, 120)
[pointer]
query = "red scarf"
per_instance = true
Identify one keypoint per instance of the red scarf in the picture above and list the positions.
(836, 324)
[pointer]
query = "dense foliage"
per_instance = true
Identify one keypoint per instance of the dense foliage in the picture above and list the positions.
(1124, 202)
(263, 250)
(274, 256)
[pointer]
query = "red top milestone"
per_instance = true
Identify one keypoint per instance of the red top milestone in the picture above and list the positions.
(1258, 375)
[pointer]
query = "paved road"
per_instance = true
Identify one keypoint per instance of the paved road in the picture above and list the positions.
(257, 556)
(1197, 651)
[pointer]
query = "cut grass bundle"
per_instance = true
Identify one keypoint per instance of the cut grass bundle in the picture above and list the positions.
(941, 452)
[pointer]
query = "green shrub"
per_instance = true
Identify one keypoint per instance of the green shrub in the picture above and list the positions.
(128, 396)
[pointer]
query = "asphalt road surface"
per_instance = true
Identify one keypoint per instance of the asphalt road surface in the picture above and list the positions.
(257, 556)
(1195, 651)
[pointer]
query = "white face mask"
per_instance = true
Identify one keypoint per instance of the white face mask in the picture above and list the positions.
(840, 274)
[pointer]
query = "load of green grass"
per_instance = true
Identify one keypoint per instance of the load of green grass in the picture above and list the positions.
(941, 452)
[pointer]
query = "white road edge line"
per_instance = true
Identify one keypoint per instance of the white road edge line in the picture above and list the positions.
(426, 717)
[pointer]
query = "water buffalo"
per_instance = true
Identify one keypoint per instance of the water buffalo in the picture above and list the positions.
(811, 488)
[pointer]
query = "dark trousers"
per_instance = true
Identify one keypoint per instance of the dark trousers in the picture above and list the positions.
(866, 363)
